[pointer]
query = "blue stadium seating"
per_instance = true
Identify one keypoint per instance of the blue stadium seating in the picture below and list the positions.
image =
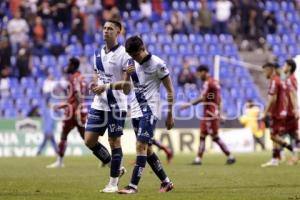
(236, 81)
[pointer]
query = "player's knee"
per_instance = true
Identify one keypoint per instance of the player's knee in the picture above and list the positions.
(89, 141)
(141, 148)
(64, 136)
(149, 150)
(114, 142)
(215, 138)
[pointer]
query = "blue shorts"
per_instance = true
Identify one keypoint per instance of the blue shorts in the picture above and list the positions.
(144, 128)
(98, 121)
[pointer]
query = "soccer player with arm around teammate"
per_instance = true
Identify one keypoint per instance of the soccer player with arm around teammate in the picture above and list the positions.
(211, 99)
(108, 110)
(147, 72)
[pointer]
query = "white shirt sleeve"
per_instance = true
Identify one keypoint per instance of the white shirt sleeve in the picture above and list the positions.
(162, 71)
(124, 61)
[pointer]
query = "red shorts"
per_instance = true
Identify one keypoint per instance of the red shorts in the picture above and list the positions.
(210, 127)
(292, 125)
(277, 126)
(73, 122)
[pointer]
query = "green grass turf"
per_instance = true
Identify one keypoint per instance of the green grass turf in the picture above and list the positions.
(27, 178)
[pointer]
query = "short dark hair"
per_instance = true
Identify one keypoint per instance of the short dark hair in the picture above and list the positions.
(292, 64)
(271, 65)
(75, 62)
(133, 44)
(115, 22)
(203, 68)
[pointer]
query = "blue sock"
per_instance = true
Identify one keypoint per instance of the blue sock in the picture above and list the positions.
(156, 166)
(138, 169)
(116, 161)
(101, 153)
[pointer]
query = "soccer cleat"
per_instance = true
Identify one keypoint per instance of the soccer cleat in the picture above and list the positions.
(230, 161)
(196, 162)
(122, 171)
(56, 164)
(271, 163)
(170, 155)
(166, 187)
(128, 190)
(110, 189)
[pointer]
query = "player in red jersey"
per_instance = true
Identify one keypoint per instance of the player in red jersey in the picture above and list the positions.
(293, 116)
(277, 109)
(75, 111)
(211, 99)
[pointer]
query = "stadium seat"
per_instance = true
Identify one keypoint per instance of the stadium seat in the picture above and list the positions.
(48, 61)
(13, 82)
(88, 50)
(10, 113)
(62, 60)
(157, 27)
(164, 39)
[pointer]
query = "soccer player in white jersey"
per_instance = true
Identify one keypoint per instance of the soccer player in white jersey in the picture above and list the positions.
(147, 73)
(108, 110)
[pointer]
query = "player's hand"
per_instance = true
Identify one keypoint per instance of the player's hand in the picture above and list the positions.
(170, 121)
(99, 89)
(130, 69)
(185, 106)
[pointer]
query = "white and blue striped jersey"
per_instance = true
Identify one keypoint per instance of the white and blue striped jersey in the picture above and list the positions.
(149, 75)
(110, 67)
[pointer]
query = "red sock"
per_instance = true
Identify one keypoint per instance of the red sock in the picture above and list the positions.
(201, 148)
(62, 148)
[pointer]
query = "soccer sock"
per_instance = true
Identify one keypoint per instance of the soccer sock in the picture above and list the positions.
(62, 148)
(222, 145)
(276, 153)
(101, 153)
(161, 146)
(138, 170)
(156, 166)
(201, 148)
(288, 146)
(116, 161)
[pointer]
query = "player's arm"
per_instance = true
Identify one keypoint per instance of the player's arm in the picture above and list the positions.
(94, 87)
(271, 100)
(122, 85)
(193, 102)
(294, 98)
(272, 97)
(170, 98)
(197, 100)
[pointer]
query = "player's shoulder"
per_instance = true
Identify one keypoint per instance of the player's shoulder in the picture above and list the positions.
(157, 60)
(120, 50)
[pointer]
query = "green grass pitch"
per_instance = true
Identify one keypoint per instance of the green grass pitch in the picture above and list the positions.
(27, 178)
